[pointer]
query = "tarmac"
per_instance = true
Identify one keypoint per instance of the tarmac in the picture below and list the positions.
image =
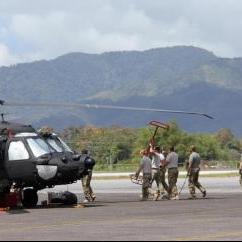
(119, 215)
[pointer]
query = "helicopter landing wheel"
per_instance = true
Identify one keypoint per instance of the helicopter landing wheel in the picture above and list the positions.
(30, 198)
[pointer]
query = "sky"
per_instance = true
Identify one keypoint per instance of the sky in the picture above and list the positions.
(32, 30)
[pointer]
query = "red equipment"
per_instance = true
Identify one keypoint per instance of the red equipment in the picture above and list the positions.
(10, 200)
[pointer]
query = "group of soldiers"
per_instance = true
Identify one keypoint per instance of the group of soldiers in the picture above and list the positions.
(154, 165)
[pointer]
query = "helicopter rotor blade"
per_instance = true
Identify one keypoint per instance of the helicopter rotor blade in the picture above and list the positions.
(96, 106)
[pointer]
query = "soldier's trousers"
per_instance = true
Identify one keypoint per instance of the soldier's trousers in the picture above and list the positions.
(172, 179)
(156, 177)
(163, 179)
(147, 178)
(87, 189)
(194, 183)
(240, 180)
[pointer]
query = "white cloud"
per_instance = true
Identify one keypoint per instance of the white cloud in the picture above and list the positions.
(5, 57)
(49, 28)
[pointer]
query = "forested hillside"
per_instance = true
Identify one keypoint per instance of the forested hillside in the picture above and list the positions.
(115, 146)
(185, 78)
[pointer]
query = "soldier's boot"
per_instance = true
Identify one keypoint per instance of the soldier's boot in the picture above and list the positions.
(93, 197)
(166, 197)
(152, 194)
(202, 190)
(204, 193)
(192, 197)
(157, 195)
(88, 197)
(175, 198)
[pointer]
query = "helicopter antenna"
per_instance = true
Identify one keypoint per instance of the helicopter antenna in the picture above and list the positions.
(2, 116)
(107, 107)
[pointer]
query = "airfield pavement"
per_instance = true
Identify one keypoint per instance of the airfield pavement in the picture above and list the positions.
(118, 215)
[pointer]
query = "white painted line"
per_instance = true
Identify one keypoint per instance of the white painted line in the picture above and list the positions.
(127, 174)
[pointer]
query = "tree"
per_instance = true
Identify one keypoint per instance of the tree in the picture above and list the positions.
(224, 136)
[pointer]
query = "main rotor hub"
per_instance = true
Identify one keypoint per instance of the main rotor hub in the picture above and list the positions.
(46, 131)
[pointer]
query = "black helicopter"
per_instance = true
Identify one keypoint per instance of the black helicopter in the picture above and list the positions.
(31, 161)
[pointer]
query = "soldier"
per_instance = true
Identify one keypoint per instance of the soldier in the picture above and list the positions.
(146, 168)
(45, 131)
(240, 170)
(87, 178)
(173, 172)
(157, 159)
(193, 173)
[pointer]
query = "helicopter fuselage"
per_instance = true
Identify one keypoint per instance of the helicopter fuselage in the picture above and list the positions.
(28, 160)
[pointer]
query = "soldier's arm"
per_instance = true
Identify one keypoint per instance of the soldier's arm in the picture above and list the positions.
(152, 150)
(162, 160)
(240, 168)
(167, 160)
(190, 162)
(139, 170)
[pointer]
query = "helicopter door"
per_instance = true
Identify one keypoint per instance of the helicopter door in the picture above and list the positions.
(19, 164)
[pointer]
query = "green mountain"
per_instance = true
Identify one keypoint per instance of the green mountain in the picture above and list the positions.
(186, 78)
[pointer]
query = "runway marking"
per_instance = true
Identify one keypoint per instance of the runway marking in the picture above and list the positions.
(211, 236)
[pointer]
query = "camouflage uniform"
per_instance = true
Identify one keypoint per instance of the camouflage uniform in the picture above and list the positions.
(172, 161)
(163, 178)
(240, 180)
(156, 172)
(146, 168)
(172, 179)
(86, 185)
(146, 186)
(194, 183)
(194, 171)
(240, 171)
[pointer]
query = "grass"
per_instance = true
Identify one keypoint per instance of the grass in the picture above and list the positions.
(232, 174)
(128, 166)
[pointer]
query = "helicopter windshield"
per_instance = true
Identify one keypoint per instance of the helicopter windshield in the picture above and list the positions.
(66, 147)
(39, 147)
(57, 144)
(54, 144)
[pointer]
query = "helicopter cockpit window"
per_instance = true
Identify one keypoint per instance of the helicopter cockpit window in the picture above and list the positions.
(59, 145)
(17, 151)
(66, 147)
(53, 143)
(39, 147)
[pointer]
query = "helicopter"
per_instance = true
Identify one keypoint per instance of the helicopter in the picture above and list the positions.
(31, 161)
